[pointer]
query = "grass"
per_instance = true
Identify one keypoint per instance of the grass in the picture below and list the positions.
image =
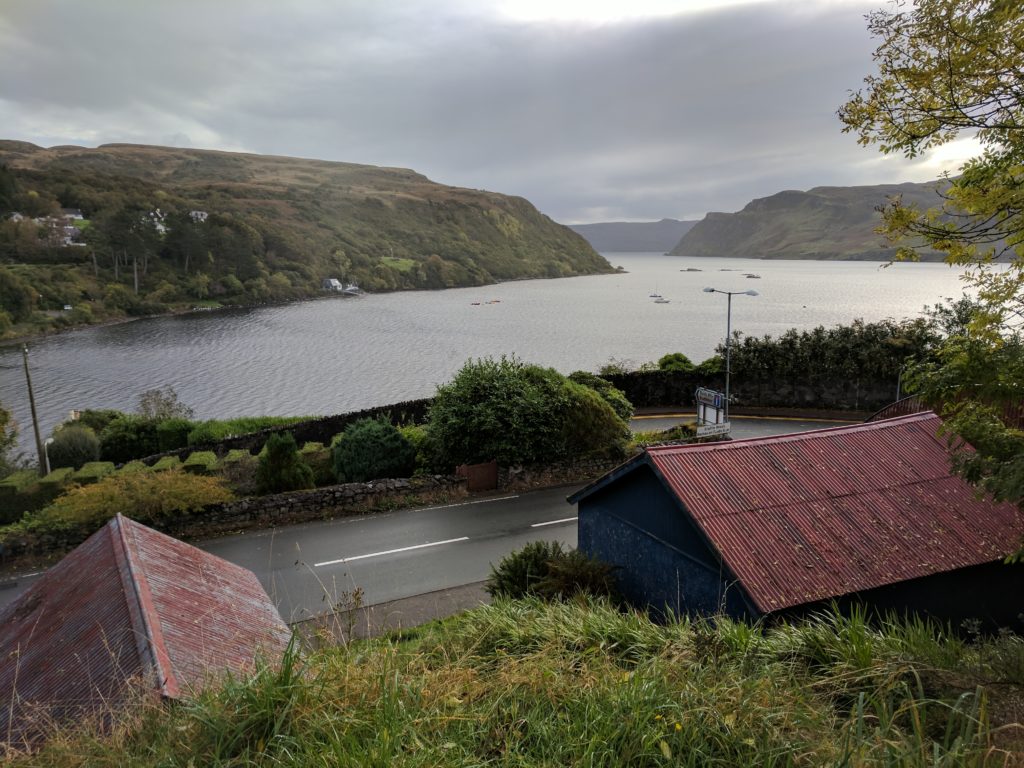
(398, 264)
(579, 683)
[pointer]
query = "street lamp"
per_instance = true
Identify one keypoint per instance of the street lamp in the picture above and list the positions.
(728, 337)
(46, 453)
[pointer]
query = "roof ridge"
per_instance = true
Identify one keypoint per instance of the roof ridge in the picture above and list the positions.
(142, 609)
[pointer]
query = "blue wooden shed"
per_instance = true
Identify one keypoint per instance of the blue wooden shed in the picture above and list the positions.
(781, 525)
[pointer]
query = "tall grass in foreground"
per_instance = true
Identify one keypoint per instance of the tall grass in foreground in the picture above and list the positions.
(578, 683)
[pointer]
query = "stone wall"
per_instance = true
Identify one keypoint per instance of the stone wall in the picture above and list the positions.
(578, 472)
(266, 512)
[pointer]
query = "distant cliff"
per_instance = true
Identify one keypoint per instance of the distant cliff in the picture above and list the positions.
(610, 236)
(835, 223)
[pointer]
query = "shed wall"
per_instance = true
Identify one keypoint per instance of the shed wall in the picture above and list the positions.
(663, 563)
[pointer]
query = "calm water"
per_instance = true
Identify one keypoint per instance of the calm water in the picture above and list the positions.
(337, 355)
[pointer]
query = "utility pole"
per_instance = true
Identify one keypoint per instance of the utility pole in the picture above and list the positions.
(35, 419)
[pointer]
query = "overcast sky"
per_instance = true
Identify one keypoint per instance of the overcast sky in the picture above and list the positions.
(593, 110)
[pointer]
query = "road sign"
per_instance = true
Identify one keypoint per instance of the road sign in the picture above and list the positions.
(711, 430)
(710, 397)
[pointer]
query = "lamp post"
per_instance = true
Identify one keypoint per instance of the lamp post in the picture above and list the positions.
(46, 452)
(728, 336)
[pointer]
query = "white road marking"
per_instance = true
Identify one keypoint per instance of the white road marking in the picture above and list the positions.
(390, 551)
(466, 503)
(554, 522)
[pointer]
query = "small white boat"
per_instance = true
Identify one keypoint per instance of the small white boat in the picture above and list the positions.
(661, 300)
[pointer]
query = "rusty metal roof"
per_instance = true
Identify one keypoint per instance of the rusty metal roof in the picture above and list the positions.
(129, 604)
(810, 516)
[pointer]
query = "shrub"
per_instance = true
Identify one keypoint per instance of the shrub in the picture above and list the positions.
(18, 482)
(589, 425)
(93, 471)
(369, 449)
(318, 458)
(57, 479)
(419, 438)
(238, 469)
(200, 463)
(167, 462)
(129, 437)
(97, 420)
(144, 496)
(281, 469)
(172, 434)
(518, 574)
(515, 413)
(73, 446)
(611, 394)
(574, 573)
(677, 362)
(133, 466)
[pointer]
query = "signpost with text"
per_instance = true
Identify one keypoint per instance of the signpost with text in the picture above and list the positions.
(710, 413)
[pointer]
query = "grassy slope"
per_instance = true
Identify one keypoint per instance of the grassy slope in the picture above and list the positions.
(385, 228)
(822, 223)
(525, 683)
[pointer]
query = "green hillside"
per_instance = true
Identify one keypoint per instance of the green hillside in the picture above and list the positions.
(581, 684)
(266, 228)
(835, 223)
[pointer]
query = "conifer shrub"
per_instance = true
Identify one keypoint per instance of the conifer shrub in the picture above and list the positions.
(281, 468)
(369, 449)
(167, 462)
(544, 569)
(238, 469)
(519, 573)
(129, 437)
(56, 480)
(73, 446)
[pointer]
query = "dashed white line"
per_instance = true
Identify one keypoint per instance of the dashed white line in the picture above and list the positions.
(466, 503)
(554, 522)
(390, 551)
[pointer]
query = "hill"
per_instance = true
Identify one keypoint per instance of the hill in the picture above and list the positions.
(200, 225)
(835, 223)
(629, 236)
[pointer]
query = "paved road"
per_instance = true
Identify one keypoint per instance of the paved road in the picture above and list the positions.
(742, 426)
(309, 568)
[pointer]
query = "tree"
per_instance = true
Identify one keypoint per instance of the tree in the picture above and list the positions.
(946, 67)
(163, 403)
(676, 361)
(8, 443)
(17, 298)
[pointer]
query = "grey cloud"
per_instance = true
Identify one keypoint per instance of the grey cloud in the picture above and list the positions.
(640, 120)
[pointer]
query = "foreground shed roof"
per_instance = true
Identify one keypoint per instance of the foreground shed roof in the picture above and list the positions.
(129, 604)
(816, 515)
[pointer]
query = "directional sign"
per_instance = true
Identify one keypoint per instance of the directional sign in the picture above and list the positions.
(710, 430)
(710, 397)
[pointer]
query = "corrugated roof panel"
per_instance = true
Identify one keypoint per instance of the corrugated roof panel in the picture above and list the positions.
(805, 517)
(128, 604)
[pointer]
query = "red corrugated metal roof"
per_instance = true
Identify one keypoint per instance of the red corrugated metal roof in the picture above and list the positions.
(128, 604)
(805, 517)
